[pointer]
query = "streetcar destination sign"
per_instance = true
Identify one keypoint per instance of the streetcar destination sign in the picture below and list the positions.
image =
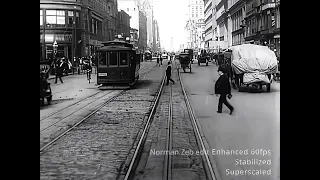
(103, 74)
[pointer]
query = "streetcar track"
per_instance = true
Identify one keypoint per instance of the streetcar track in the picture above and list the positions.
(167, 171)
(84, 99)
(211, 173)
(168, 160)
(101, 105)
(87, 104)
(43, 118)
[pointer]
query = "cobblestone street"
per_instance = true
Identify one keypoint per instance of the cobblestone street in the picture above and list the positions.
(184, 166)
(102, 146)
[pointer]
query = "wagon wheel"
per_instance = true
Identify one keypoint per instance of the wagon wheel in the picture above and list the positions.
(49, 99)
(42, 102)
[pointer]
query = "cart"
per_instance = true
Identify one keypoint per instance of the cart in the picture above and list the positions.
(185, 61)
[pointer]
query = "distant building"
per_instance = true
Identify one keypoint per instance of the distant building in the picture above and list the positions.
(134, 37)
(142, 41)
(131, 8)
(196, 9)
(148, 8)
(124, 24)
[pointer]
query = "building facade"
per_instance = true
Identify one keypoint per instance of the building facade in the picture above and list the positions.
(237, 13)
(196, 9)
(223, 25)
(156, 37)
(124, 24)
(77, 26)
(237, 22)
(131, 8)
(148, 8)
(208, 13)
(261, 22)
(142, 41)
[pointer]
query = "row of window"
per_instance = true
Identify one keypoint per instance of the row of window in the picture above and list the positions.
(237, 39)
(237, 18)
(114, 59)
(59, 18)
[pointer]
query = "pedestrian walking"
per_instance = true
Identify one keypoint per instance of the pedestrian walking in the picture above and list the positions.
(168, 73)
(160, 59)
(223, 88)
(58, 71)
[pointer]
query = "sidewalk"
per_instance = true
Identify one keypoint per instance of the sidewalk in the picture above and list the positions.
(144, 63)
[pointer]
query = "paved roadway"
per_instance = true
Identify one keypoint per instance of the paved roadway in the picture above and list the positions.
(255, 123)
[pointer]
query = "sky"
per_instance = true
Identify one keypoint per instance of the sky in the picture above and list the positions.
(172, 16)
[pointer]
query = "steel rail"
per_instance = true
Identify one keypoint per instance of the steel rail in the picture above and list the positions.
(144, 133)
(89, 115)
(200, 142)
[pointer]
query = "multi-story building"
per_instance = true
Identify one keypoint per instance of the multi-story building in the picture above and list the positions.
(260, 22)
(223, 25)
(130, 7)
(208, 31)
(196, 9)
(77, 26)
(142, 41)
(148, 8)
(60, 22)
(156, 37)
(124, 24)
(195, 24)
(237, 13)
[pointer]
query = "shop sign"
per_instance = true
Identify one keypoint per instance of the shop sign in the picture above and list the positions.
(50, 38)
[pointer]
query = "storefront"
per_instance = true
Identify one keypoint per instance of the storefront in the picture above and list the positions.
(60, 23)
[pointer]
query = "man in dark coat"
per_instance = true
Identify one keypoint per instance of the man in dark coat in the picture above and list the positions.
(168, 74)
(58, 69)
(223, 88)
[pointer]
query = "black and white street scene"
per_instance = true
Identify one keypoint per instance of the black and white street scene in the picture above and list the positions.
(159, 89)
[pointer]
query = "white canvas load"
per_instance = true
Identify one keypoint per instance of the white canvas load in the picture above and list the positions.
(254, 61)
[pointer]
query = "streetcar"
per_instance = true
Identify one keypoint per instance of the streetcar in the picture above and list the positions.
(118, 64)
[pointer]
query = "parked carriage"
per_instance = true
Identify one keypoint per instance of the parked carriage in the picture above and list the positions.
(119, 64)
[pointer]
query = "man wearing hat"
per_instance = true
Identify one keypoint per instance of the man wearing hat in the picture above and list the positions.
(223, 88)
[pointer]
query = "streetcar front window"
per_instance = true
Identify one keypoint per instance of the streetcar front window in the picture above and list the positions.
(102, 58)
(124, 58)
(113, 58)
